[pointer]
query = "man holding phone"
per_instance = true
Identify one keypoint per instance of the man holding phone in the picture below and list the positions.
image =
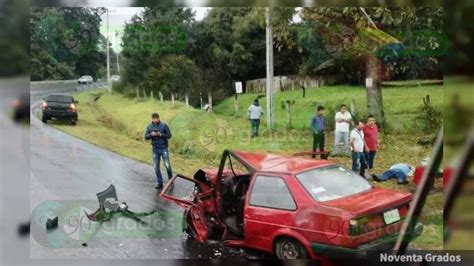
(158, 133)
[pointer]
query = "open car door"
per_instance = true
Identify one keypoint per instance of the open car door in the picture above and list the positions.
(191, 195)
(181, 190)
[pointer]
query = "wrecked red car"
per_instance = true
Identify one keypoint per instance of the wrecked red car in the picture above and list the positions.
(290, 206)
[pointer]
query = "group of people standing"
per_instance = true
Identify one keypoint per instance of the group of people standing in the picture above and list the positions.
(361, 143)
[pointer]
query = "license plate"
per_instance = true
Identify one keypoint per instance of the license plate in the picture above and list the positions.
(391, 216)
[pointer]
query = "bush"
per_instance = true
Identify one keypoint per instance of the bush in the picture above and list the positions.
(429, 117)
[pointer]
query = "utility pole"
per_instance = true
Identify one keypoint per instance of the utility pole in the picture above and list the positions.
(117, 53)
(109, 86)
(269, 87)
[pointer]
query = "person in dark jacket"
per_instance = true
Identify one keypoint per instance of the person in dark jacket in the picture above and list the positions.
(158, 133)
(318, 127)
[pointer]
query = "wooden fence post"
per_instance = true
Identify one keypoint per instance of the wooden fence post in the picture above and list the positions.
(353, 108)
(186, 99)
(172, 98)
(209, 98)
(138, 93)
(200, 99)
(236, 104)
(151, 94)
(161, 95)
(288, 113)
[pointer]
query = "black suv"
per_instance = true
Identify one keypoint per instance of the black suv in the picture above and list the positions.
(61, 106)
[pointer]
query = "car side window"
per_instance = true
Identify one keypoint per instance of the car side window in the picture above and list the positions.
(271, 192)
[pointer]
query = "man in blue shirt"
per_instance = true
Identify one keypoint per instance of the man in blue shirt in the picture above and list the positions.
(318, 127)
(158, 133)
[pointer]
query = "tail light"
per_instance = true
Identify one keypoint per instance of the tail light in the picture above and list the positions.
(72, 108)
(44, 105)
(368, 223)
(358, 226)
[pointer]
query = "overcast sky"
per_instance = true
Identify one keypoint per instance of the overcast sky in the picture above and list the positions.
(118, 16)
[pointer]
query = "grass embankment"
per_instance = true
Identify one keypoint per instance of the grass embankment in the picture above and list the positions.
(400, 104)
(117, 123)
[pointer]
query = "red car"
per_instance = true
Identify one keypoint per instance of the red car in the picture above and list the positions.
(289, 206)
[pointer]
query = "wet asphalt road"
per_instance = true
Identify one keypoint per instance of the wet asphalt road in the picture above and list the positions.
(66, 168)
(14, 173)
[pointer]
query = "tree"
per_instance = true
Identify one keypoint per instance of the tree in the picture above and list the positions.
(155, 33)
(229, 45)
(64, 43)
(14, 37)
(175, 74)
(351, 34)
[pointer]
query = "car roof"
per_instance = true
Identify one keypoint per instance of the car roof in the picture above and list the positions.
(279, 163)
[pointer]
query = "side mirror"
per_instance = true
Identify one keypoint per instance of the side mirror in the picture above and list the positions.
(76, 101)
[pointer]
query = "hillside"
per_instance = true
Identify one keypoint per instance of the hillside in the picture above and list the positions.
(203, 136)
(118, 123)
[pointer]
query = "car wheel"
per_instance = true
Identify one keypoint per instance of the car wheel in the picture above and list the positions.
(288, 248)
(73, 122)
(44, 119)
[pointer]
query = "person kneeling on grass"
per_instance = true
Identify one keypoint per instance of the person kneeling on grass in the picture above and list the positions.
(357, 146)
(159, 133)
(400, 171)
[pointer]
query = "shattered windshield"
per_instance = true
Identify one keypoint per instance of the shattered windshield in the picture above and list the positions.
(332, 182)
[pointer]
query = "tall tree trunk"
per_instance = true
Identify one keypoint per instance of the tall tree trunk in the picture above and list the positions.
(374, 90)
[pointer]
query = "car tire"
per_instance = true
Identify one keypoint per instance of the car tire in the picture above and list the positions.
(73, 122)
(289, 248)
(44, 119)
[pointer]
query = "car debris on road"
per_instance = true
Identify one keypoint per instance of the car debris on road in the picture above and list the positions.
(52, 224)
(110, 206)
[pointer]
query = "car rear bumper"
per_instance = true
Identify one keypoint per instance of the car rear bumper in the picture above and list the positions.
(60, 114)
(375, 247)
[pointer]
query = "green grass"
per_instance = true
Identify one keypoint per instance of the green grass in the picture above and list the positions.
(118, 123)
(432, 220)
(400, 104)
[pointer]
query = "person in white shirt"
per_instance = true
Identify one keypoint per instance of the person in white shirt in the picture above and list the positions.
(357, 145)
(341, 133)
(255, 112)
